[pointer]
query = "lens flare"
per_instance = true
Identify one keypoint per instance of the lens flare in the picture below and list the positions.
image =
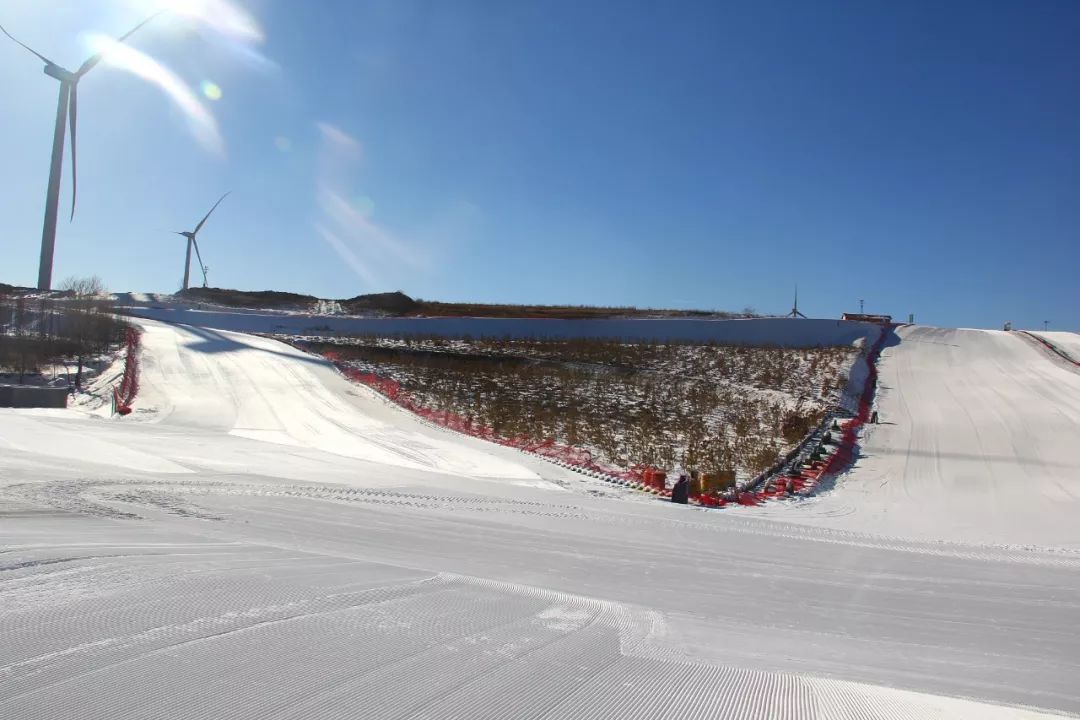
(210, 90)
(348, 256)
(124, 57)
(364, 205)
(373, 251)
(338, 138)
(283, 143)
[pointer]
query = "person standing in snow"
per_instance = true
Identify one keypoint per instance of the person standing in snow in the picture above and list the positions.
(680, 493)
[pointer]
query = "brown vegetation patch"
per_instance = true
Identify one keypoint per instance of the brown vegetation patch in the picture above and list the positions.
(716, 408)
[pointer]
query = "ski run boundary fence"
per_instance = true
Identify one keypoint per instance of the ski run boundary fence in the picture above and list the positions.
(794, 474)
(124, 394)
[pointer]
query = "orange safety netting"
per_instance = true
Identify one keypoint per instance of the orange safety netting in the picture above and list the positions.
(125, 393)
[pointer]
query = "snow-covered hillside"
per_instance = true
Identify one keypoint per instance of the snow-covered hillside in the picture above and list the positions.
(262, 539)
(977, 442)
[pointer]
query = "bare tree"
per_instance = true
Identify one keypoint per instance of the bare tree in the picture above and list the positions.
(88, 318)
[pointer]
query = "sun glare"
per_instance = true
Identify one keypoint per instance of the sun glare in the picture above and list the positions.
(221, 16)
(124, 57)
(230, 26)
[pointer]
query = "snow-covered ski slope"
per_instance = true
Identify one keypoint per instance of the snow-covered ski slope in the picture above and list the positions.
(261, 539)
(264, 390)
(977, 441)
(1066, 342)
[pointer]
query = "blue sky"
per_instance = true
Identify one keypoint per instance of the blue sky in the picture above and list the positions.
(924, 156)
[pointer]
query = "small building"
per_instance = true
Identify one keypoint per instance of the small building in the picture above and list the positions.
(863, 317)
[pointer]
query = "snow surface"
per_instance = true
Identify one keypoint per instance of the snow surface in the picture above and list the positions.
(261, 539)
(977, 442)
(1067, 342)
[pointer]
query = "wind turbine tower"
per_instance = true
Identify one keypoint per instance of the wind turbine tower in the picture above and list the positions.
(795, 308)
(66, 112)
(192, 242)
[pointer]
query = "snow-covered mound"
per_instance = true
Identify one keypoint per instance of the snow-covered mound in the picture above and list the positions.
(261, 389)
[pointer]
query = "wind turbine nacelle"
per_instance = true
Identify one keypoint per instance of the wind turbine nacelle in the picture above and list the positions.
(59, 73)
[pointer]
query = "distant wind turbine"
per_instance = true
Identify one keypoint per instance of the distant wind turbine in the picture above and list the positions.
(192, 242)
(795, 313)
(69, 84)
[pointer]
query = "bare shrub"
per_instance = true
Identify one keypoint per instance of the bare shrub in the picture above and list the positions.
(712, 407)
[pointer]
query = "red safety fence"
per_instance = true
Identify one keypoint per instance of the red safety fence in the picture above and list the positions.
(843, 455)
(124, 394)
(640, 477)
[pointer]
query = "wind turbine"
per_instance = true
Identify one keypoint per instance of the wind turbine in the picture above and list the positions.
(191, 241)
(66, 110)
(795, 308)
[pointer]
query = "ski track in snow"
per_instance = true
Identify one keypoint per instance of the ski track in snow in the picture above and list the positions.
(206, 643)
(261, 539)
